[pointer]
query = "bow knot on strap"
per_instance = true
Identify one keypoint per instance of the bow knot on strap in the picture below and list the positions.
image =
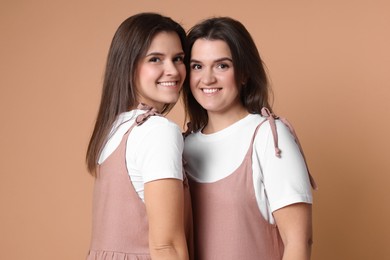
(271, 119)
(150, 111)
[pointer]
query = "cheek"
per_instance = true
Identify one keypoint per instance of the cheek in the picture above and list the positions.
(230, 82)
(144, 73)
(194, 79)
(230, 79)
(192, 85)
(182, 71)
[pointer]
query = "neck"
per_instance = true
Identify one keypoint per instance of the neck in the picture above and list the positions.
(144, 106)
(219, 121)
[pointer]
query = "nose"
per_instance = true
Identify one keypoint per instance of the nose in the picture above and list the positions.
(208, 77)
(171, 69)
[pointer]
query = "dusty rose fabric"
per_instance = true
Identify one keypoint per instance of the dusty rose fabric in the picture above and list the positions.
(228, 224)
(120, 225)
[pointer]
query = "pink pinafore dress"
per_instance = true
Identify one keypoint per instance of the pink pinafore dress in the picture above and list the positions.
(120, 225)
(228, 224)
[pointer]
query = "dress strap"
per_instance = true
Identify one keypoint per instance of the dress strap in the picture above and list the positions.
(271, 119)
(150, 111)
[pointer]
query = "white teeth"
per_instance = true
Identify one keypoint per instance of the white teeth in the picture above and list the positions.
(168, 84)
(210, 90)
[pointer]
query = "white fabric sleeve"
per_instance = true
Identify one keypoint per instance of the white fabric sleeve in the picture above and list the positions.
(160, 155)
(286, 179)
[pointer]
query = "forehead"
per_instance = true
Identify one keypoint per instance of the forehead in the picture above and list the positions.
(210, 49)
(165, 41)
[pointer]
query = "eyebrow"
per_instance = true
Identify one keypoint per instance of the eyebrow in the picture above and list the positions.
(215, 61)
(162, 54)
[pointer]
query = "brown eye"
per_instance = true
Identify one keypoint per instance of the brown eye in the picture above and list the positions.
(223, 66)
(178, 59)
(154, 59)
(196, 66)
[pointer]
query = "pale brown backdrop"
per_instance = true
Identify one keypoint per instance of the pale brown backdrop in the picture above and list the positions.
(329, 65)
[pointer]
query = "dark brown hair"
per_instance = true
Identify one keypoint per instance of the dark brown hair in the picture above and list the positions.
(248, 67)
(130, 42)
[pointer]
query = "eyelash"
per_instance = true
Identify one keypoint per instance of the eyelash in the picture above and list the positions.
(220, 66)
(196, 66)
(175, 59)
(179, 59)
(154, 59)
(223, 66)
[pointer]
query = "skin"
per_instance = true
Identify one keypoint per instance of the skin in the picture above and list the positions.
(213, 85)
(164, 206)
(295, 227)
(160, 75)
(161, 72)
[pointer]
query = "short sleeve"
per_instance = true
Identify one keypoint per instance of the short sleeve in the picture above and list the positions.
(160, 154)
(286, 180)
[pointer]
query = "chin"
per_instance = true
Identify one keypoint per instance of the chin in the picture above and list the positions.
(209, 107)
(171, 100)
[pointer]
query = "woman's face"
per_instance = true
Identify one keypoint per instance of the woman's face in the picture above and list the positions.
(212, 79)
(161, 72)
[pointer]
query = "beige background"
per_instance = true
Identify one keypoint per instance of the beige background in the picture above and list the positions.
(329, 65)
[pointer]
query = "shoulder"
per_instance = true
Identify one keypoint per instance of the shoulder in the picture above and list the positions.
(276, 138)
(158, 131)
(265, 130)
(160, 125)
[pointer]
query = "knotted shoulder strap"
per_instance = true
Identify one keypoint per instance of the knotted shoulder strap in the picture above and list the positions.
(271, 119)
(150, 111)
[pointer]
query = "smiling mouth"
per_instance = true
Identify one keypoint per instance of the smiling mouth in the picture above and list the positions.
(168, 83)
(210, 90)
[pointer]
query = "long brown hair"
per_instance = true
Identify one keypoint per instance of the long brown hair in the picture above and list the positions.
(248, 67)
(130, 42)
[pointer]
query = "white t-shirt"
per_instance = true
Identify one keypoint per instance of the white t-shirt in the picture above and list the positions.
(278, 182)
(153, 150)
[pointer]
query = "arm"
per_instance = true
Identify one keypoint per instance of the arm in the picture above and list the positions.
(287, 183)
(295, 227)
(164, 203)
